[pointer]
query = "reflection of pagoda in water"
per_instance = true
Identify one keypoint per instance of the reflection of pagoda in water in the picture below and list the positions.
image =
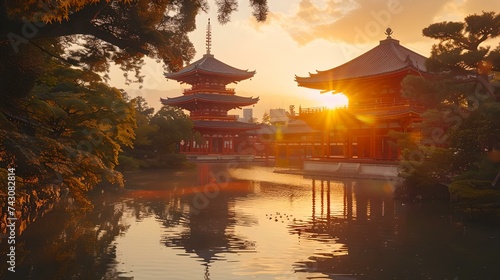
(208, 232)
(209, 101)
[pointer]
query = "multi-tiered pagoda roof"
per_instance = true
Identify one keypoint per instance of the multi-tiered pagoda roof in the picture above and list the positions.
(189, 101)
(210, 66)
(209, 101)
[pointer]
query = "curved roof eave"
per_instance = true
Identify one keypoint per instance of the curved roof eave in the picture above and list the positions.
(208, 64)
(387, 57)
(320, 84)
(210, 98)
(224, 125)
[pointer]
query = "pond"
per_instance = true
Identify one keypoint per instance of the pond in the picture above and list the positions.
(231, 221)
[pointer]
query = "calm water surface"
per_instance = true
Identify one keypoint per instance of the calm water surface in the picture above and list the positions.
(234, 222)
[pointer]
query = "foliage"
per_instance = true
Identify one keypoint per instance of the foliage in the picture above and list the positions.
(95, 33)
(128, 163)
(475, 193)
(266, 118)
(461, 126)
(70, 128)
(59, 121)
(437, 93)
(158, 137)
(425, 168)
(19, 71)
(174, 126)
(459, 47)
(144, 130)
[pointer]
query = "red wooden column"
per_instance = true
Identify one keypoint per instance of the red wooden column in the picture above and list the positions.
(323, 144)
(349, 144)
(224, 148)
(328, 145)
(210, 144)
(372, 143)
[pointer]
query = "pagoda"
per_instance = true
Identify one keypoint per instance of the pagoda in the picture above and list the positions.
(209, 100)
(372, 82)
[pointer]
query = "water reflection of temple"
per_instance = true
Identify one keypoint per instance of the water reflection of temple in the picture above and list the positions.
(209, 219)
(360, 204)
(371, 203)
(382, 238)
(367, 217)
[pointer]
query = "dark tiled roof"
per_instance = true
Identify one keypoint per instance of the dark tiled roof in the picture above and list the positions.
(210, 97)
(209, 64)
(388, 57)
(225, 125)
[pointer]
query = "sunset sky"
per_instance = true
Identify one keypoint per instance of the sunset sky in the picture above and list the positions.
(302, 36)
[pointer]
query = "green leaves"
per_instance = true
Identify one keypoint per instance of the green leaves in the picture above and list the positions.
(461, 126)
(444, 30)
(173, 126)
(116, 31)
(487, 24)
(157, 137)
(459, 42)
(80, 126)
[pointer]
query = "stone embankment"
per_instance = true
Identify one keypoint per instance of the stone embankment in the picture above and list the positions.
(358, 170)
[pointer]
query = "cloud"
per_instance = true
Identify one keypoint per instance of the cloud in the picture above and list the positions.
(365, 21)
(478, 6)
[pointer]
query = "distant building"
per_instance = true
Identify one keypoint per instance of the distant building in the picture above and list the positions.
(247, 115)
(278, 116)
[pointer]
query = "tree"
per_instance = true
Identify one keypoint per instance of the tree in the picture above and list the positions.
(144, 131)
(460, 49)
(266, 118)
(174, 126)
(459, 132)
(68, 131)
(97, 32)
(61, 123)
(133, 158)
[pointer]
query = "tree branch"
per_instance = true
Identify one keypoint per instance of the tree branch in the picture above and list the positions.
(69, 61)
(17, 32)
(112, 39)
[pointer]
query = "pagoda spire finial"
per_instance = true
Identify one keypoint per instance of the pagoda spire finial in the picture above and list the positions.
(209, 37)
(388, 32)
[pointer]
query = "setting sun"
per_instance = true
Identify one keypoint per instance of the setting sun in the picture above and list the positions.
(332, 101)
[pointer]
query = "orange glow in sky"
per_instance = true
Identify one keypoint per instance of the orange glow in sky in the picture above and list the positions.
(300, 37)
